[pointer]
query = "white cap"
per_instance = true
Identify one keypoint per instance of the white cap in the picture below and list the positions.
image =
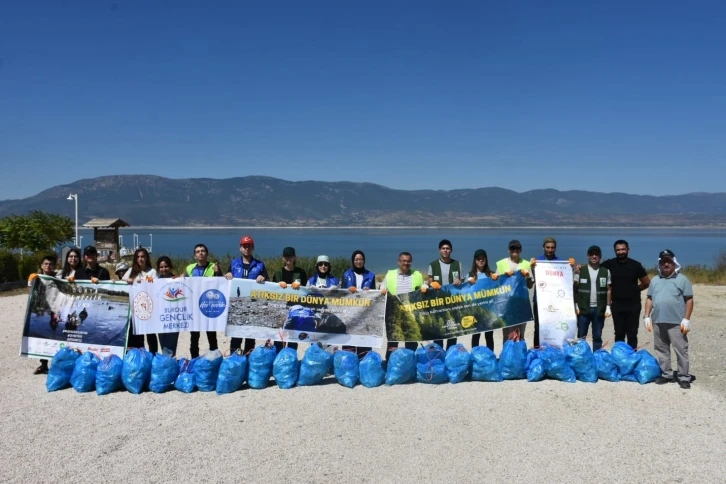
(323, 258)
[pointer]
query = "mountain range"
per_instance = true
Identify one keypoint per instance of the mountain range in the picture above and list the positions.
(143, 200)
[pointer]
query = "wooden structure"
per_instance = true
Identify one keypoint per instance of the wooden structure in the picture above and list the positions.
(105, 236)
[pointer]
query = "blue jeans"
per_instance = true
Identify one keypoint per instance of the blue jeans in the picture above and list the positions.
(598, 321)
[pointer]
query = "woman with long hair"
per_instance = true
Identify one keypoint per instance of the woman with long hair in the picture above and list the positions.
(72, 267)
(141, 269)
(480, 270)
(164, 270)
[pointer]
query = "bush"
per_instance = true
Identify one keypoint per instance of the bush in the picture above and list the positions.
(14, 268)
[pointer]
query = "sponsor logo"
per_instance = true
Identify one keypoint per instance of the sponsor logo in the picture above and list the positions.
(174, 294)
(105, 350)
(468, 322)
(212, 303)
(92, 348)
(143, 306)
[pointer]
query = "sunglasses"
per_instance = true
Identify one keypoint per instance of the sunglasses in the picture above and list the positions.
(322, 264)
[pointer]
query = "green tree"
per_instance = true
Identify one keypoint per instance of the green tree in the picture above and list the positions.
(35, 232)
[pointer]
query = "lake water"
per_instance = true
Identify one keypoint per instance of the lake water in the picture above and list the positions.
(382, 246)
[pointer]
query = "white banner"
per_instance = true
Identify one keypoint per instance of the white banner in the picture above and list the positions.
(555, 303)
(181, 304)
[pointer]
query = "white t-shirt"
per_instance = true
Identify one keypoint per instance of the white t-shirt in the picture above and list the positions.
(593, 285)
(358, 280)
(140, 277)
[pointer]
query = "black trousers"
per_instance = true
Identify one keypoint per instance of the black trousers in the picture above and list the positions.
(361, 351)
(449, 342)
(194, 346)
(626, 318)
(536, 325)
(488, 337)
(236, 343)
(393, 346)
(280, 345)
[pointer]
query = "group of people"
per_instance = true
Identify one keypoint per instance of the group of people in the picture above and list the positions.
(603, 289)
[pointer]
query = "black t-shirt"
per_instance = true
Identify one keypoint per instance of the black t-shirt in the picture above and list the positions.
(625, 278)
(98, 272)
(283, 275)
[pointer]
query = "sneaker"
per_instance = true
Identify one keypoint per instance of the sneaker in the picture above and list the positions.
(662, 380)
(685, 385)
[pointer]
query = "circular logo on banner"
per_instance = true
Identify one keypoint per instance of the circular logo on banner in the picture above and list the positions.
(212, 303)
(143, 306)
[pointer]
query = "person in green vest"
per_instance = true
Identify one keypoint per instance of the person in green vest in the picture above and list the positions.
(442, 271)
(593, 298)
(202, 268)
(290, 274)
(401, 281)
(507, 267)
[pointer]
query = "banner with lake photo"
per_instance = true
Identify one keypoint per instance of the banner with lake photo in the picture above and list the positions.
(181, 304)
(306, 314)
(457, 311)
(90, 317)
(555, 303)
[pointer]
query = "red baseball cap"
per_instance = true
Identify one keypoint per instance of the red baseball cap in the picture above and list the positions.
(246, 240)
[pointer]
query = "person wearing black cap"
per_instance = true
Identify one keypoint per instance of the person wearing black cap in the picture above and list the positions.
(92, 268)
(246, 267)
(291, 274)
(668, 310)
(628, 278)
(592, 300)
(507, 267)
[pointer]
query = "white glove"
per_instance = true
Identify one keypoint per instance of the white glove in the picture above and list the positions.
(648, 323)
(608, 312)
(685, 326)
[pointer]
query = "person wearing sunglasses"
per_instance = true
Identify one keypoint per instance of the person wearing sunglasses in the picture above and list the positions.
(323, 278)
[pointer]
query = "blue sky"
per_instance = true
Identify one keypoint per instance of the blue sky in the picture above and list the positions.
(607, 96)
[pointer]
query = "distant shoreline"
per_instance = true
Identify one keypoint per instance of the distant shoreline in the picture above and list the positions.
(398, 227)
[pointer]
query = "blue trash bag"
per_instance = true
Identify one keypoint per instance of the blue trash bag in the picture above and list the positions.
(346, 368)
(431, 364)
(164, 370)
(647, 369)
(136, 371)
(108, 375)
(535, 366)
(185, 381)
(206, 371)
(485, 366)
(371, 370)
(286, 368)
(513, 360)
(232, 373)
(401, 367)
(626, 358)
(259, 366)
(555, 364)
(579, 356)
(61, 369)
(606, 368)
(458, 363)
(314, 366)
(83, 378)
(300, 318)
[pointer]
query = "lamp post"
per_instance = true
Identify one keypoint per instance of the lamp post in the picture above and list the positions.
(74, 196)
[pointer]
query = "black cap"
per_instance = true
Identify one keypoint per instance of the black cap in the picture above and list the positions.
(515, 243)
(288, 252)
(480, 253)
(667, 254)
(90, 250)
(594, 249)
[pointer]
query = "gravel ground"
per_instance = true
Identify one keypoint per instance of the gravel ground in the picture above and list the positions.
(469, 432)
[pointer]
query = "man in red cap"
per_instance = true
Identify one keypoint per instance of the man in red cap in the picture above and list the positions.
(246, 267)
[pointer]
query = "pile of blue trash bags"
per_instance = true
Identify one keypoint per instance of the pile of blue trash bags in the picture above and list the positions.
(141, 371)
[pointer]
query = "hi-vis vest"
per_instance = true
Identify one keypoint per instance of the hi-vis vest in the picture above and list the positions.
(454, 269)
(503, 266)
(208, 271)
(392, 281)
(584, 289)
